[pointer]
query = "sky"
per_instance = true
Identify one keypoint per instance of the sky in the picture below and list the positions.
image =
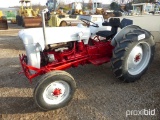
(11, 3)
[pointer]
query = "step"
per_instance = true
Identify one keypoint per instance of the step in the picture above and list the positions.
(100, 61)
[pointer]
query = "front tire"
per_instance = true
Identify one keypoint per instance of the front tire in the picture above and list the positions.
(133, 55)
(54, 90)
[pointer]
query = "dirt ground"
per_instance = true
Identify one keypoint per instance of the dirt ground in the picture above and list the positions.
(99, 95)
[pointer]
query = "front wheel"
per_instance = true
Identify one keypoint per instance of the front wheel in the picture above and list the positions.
(54, 90)
(133, 55)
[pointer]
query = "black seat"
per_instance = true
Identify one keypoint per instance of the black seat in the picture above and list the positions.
(125, 22)
(114, 23)
(106, 33)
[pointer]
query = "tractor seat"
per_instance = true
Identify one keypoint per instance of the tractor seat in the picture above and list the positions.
(125, 22)
(106, 33)
(114, 23)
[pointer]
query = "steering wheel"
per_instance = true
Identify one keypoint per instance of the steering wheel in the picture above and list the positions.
(88, 22)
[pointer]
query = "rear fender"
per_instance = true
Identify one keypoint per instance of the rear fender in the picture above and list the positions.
(119, 35)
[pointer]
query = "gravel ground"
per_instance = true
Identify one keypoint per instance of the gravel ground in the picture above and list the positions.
(99, 95)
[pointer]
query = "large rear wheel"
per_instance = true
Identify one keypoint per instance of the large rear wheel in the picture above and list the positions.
(54, 90)
(133, 55)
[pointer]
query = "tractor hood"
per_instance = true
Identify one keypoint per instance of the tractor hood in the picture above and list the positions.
(54, 35)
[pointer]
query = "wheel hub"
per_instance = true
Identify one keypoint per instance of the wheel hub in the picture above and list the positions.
(57, 92)
(138, 58)
(135, 57)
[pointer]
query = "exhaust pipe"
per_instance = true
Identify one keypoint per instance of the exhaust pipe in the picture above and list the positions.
(44, 27)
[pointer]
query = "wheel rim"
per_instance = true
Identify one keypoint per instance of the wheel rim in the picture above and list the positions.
(56, 92)
(139, 58)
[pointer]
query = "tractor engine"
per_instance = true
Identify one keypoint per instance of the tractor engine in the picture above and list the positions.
(33, 41)
(48, 56)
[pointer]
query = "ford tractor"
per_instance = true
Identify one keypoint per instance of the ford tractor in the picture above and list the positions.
(51, 50)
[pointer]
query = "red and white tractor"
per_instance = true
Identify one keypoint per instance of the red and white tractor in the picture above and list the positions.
(50, 50)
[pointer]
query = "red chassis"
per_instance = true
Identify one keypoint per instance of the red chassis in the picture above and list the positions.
(99, 52)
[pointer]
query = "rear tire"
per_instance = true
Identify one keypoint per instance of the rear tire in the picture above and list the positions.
(54, 90)
(18, 20)
(133, 55)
